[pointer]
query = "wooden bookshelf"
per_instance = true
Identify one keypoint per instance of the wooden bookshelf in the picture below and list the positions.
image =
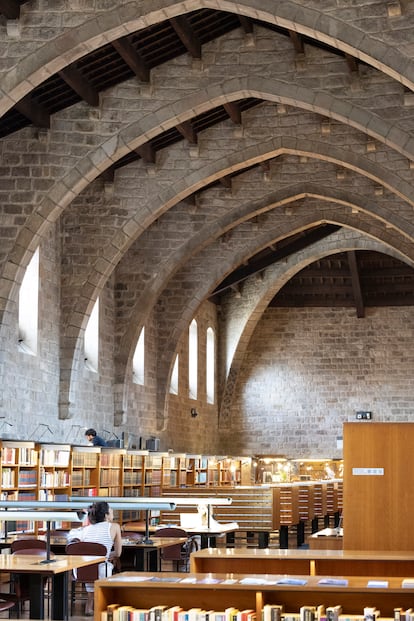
(110, 471)
(85, 470)
(54, 471)
(218, 591)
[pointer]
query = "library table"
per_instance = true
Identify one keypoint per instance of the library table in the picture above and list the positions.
(208, 534)
(145, 556)
(308, 562)
(58, 569)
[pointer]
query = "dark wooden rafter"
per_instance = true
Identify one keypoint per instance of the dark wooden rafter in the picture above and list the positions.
(186, 129)
(234, 112)
(297, 41)
(352, 62)
(187, 35)
(10, 9)
(132, 58)
(246, 24)
(147, 153)
(356, 283)
(277, 254)
(73, 77)
(225, 181)
(34, 112)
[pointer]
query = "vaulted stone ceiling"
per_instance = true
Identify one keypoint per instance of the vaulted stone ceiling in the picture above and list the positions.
(192, 145)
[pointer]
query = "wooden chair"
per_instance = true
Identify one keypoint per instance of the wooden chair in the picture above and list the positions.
(83, 574)
(178, 555)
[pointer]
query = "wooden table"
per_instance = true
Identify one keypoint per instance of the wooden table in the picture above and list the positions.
(207, 534)
(145, 556)
(58, 570)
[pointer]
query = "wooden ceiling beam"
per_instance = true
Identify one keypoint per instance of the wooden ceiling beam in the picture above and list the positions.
(356, 283)
(187, 36)
(73, 78)
(297, 41)
(186, 129)
(10, 9)
(225, 181)
(352, 62)
(132, 58)
(246, 24)
(147, 153)
(234, 112)
(34, 112)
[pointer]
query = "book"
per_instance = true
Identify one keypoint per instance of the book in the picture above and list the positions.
(155, 612)
(272, 612)
(332, 613)
(307, 613)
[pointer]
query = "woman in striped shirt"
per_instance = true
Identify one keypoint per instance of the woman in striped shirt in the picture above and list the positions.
(101, 529)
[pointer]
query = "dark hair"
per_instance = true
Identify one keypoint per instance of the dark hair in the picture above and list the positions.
(90, 432)
(98, 512)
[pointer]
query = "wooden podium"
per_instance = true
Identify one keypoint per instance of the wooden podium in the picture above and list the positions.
(378, 486)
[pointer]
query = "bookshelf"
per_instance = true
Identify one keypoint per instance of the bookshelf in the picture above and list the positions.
(19, 478)
(54, 471)
(84, 470)
(221, 591)
(110, 471)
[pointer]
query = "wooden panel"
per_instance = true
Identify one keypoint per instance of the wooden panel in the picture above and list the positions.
(378, 509)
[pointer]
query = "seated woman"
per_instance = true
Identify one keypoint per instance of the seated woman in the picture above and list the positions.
(100, 528)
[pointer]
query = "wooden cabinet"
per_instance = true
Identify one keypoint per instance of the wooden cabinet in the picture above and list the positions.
(219, 591)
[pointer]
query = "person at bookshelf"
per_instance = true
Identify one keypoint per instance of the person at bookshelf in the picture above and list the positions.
(100, 529)
(93, 437)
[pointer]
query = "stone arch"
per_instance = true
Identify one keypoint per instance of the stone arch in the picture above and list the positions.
(135, 15)
(272, 199)
(208, 258)
(275, 279)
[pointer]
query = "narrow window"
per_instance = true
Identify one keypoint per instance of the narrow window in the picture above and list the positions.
(92, 340)
(174, 378)
(210, 365)
(192, 360)
(138, 361)
(29, 307)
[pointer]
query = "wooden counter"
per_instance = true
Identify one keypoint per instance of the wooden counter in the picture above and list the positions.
(220, 591)
(307, 562)
(326, 539)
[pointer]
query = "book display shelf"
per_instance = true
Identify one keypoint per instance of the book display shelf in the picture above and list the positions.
(219, 592)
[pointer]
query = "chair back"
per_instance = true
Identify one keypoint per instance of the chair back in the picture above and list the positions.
(23, 545)
(86, 548)
(175, 552)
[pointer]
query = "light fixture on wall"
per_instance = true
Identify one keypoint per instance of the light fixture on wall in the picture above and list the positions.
(193, 413)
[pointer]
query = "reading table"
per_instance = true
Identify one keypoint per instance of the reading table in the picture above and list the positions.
(58, 569)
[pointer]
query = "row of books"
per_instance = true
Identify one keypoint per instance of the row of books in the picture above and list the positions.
(270, 612)
(115, 612)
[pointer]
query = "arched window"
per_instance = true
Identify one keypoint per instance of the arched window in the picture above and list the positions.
(174, 378)
(29, 307)
(193, 360)
(138, 361)
(210, 365)
(91, 345)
